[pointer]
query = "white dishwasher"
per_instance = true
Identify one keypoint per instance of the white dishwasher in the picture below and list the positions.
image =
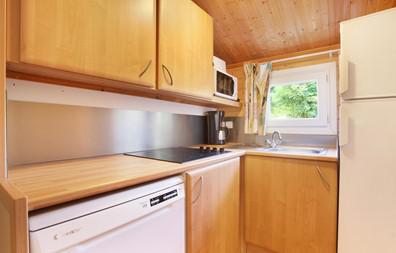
(144, 219)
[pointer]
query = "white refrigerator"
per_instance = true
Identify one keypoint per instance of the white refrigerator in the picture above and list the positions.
(367, 191)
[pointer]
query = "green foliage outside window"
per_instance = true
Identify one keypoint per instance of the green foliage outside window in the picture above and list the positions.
(296, 101)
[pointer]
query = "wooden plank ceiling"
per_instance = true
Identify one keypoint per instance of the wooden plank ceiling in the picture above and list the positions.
(252, 29)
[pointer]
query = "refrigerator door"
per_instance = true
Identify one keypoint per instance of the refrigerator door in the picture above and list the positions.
(367, 205)
(368, 56)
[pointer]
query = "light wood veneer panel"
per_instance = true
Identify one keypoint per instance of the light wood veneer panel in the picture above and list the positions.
(2, 86)
(185, 50)
(213, 204)
(13, 220)
(288, 205)
(110, 39)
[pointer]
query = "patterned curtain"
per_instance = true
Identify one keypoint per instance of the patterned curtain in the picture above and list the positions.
(256, 91)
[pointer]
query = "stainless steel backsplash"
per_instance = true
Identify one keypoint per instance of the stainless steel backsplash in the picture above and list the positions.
(39, 132)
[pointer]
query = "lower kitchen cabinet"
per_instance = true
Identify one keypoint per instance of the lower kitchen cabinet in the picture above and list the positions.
(290, 205)
(213, 205)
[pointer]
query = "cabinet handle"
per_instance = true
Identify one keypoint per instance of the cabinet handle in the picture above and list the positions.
(200, 181)
(344, 127)
(164, 68)
(344, 75)
(145, 69)
(323, 178)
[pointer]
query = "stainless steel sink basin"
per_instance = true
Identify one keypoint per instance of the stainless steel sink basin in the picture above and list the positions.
(295, 150)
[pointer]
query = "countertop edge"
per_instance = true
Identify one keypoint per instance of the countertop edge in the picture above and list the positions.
(292, 156)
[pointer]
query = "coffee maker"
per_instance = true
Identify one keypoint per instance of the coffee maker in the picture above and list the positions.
(217, 131)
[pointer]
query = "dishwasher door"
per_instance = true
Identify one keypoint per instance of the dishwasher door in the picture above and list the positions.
(151, 224)
(161, 231)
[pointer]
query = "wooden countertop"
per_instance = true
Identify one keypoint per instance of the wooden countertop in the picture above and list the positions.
(53, 183)
(49, 184)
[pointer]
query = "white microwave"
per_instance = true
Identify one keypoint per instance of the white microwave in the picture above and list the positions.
(226, 85)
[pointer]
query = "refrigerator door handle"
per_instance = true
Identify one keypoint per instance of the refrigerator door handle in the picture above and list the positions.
(344, 75)
(344, 127)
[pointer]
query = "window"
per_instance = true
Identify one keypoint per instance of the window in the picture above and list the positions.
(298, 100)
(303, 100)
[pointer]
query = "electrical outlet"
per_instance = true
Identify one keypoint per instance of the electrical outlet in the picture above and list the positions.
(230, 124)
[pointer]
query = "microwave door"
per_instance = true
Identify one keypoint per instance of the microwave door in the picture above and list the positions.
(225, 86)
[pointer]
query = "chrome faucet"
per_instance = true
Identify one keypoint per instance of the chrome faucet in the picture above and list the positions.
(276, 139)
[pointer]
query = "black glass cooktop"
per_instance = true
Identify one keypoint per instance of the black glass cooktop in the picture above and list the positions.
(178, 155)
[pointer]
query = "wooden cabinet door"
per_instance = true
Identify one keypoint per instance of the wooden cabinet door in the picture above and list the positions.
(110, 39)
(185, 49)
(213, 208)
(290, 205)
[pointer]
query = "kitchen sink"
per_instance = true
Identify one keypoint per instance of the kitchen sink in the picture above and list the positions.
(298, 150)
(283, 149)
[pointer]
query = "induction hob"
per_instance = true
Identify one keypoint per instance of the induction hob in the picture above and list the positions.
(178, 155)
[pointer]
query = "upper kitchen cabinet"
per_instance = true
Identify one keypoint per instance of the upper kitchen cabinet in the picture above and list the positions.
(115, 40)
(185, 49)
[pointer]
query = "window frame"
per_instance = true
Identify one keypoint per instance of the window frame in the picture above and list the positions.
(326, 122)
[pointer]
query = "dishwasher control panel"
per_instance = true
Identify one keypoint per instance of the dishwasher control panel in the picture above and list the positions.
(163, 197)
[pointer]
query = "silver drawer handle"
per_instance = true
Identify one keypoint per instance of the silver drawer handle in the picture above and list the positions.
(323, 178)
(200, 181)
(145, 69)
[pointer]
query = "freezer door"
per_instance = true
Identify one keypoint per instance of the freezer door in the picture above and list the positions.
(367, 205)
(368, 56)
